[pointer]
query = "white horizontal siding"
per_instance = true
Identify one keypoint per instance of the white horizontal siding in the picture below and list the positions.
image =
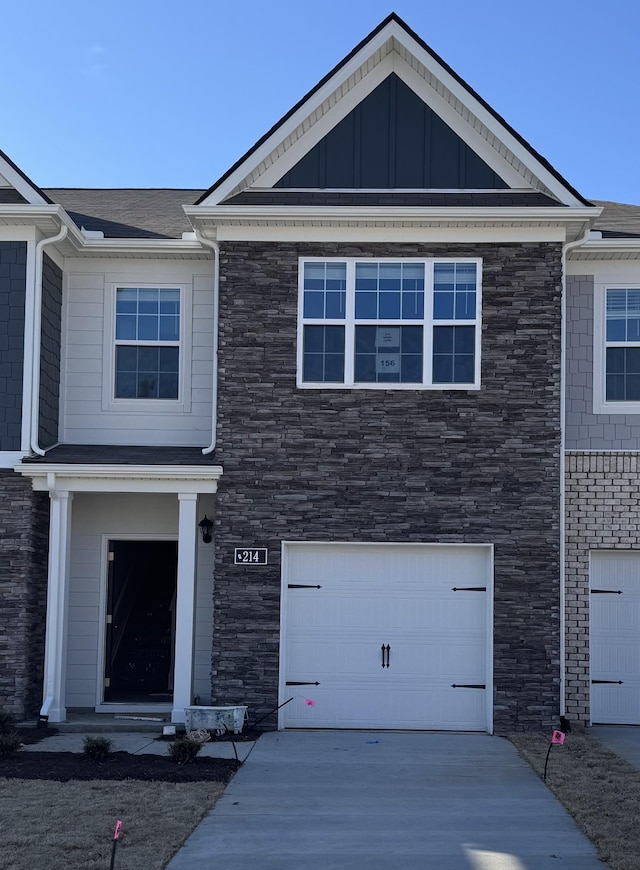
(88, 330)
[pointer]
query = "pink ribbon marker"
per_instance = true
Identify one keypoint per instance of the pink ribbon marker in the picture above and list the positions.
(558, 737)
(116, 833)
(309, 702)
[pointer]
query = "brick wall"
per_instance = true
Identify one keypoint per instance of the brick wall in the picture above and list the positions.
(50, 353)
(23, 589)
(602, 512)
(429, 466)
(13, 259)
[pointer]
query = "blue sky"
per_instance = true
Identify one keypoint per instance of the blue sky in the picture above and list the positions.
(148, 93)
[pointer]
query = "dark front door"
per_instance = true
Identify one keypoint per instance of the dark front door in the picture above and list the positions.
(141, 594)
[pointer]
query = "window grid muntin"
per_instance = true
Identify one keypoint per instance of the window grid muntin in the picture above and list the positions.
(173, 299)
(622, 332)
(428, 322)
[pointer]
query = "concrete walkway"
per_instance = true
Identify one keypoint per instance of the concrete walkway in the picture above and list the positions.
(344, 800)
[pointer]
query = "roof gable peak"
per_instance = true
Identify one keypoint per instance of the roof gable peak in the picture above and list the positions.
(392, 47)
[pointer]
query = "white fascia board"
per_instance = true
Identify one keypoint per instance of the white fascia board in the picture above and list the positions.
(28, 216)
(10, 458)
(363, 212)
(141, 246)
(122, 478)
(632, 246)
(48, 219)
(19, 183)
(363, 217)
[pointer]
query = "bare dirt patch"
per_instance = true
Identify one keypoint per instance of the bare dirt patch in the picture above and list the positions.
(598, 788)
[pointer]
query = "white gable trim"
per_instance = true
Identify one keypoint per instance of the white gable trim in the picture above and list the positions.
(18, 182)
(393, 50)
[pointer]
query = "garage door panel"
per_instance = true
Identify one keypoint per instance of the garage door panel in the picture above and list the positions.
(441, 708)
(402, 596)
(615, 637)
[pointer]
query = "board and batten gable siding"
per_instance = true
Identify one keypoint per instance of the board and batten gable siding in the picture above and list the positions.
(88, 334)
(131, 517)
(477, 467)
(13, 272)
(50, 351)
(584, 429)
(392, 139)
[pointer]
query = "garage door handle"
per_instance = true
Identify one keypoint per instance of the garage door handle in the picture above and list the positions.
(468, 686)
(607, 682)
(385, 651)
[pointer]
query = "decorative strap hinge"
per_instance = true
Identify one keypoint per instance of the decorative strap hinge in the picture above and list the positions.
(469, 588)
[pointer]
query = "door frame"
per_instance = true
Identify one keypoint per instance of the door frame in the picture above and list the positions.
(286, 546)
(102, 706)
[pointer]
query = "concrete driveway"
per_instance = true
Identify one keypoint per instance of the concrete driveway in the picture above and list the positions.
(380, 801)
(624, 740)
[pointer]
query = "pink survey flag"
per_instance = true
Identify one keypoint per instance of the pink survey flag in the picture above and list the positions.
(309, 702)
(116, 833)
(558, 737)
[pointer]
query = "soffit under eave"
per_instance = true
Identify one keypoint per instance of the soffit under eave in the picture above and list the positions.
(584, 255)
(303, 132)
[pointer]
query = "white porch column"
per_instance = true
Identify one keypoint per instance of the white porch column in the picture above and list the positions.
(57, 593)
(185, 604)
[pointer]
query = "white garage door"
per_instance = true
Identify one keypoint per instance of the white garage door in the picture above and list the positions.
(386, 636)
(615, 638)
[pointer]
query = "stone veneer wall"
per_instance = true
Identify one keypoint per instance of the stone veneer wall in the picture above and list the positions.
(13, 271)
(602, 512)
(363, 465)
(50, 352)
(24, 517)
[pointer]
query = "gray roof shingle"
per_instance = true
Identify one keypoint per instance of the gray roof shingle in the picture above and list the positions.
(128, 213)
(109, 454)
(618, 220)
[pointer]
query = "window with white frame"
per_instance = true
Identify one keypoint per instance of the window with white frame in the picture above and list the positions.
(622, 345)
(147, 343)
(400, 324)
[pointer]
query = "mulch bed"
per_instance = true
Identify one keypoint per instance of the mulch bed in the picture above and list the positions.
(66, 766)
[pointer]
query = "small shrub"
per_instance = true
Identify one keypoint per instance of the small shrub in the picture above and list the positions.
(184, 750)
(96, 748)
(7, 723)
(9, 744)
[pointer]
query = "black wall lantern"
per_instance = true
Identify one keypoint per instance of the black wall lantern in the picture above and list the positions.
(205, 528)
